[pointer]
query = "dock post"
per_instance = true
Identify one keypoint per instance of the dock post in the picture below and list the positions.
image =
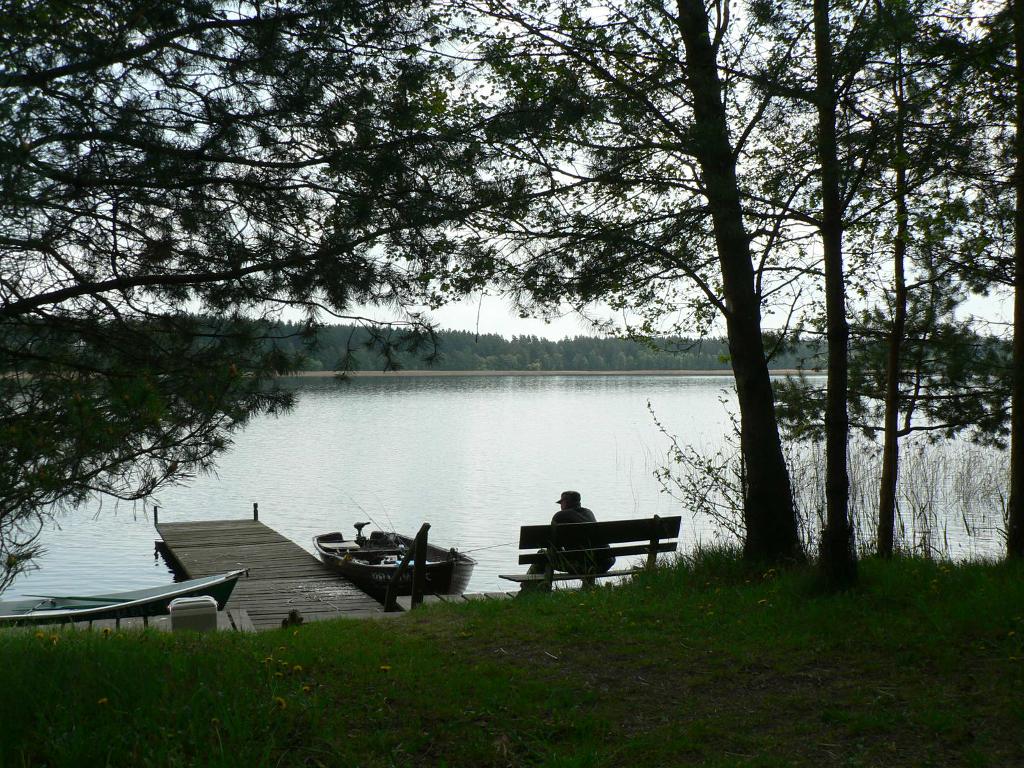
(156, 516)
(419, 570)
(255, 511)
(391, 596)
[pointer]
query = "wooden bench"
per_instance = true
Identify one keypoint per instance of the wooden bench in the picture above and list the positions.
(582, 541)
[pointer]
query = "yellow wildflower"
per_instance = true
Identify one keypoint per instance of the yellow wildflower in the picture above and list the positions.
(103, 702)
(297, 668)
(385, 667)
(280, 703)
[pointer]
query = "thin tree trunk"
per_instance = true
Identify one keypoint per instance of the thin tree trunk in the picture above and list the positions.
(768, 505)
(1015, 523)
(890, 447)
(838, 559)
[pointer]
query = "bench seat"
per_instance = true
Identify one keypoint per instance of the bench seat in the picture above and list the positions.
(590, 542)
(534, 577)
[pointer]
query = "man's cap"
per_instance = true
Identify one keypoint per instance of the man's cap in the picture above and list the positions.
(570, 496)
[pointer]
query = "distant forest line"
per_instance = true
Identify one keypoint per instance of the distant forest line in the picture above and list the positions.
(336, 345)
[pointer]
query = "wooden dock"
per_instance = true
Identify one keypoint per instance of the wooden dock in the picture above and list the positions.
(405, 601)
(282, 576)
(230, 619)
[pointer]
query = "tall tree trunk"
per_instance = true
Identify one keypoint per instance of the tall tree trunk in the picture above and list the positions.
(768, 505)
(1015, 523)
(890, 447)
(838, 558)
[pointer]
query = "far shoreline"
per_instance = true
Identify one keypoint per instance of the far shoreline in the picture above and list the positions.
(437, 373)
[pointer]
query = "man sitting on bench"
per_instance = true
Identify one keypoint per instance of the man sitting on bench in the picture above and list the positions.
(571, 511)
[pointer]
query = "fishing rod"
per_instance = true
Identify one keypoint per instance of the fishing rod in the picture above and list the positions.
(385, 511)
(367, 514)
(392, 525)
(492, 546)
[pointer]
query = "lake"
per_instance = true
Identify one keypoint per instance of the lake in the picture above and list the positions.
(475, 456)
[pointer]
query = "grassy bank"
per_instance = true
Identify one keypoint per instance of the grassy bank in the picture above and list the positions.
(695, 665)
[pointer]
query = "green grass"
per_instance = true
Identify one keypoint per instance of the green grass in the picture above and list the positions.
(707, 663)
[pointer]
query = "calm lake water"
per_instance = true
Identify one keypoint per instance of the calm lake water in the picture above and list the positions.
(475, 456)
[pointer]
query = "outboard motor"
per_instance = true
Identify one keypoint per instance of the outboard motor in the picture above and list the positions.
(360, 539)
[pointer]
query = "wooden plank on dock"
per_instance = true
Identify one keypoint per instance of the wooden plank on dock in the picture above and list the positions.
(282, 575)
(161, 623)
(405, 601)
(240, 620)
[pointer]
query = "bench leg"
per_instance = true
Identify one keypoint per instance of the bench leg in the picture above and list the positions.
(549, 565)
(538, 586)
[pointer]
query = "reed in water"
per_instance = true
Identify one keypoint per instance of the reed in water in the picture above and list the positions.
(951, 497)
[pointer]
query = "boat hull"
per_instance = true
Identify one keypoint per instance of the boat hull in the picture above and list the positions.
(153, 601)
(447, 572)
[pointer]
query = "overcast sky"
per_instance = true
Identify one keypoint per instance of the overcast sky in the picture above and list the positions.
(497, 316)
(494, 314)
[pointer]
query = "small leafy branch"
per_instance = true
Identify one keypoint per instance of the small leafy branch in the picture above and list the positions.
(712, 485)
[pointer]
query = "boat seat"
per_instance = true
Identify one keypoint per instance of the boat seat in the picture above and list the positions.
(338, 546)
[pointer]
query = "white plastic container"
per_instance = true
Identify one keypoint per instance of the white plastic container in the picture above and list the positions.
(198, 614)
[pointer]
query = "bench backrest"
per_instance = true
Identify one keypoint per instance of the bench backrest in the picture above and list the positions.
(612, 533)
